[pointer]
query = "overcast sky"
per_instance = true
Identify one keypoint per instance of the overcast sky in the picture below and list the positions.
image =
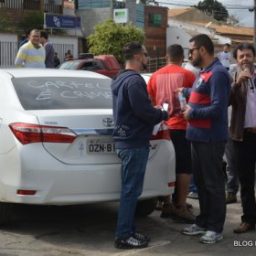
(238, 8)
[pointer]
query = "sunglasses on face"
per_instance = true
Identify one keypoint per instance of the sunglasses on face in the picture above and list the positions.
(190, 52)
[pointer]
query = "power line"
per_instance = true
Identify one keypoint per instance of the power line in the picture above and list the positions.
(230, 7)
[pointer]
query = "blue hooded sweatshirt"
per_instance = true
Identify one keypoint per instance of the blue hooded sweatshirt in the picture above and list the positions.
(134, 115)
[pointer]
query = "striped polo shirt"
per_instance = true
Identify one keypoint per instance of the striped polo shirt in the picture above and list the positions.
(30, 57)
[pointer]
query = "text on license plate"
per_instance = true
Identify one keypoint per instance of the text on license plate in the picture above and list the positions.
(101, 147)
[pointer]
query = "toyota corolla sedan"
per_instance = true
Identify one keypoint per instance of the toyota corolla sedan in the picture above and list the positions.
(56, 145)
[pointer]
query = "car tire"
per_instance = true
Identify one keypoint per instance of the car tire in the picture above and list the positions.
(145, 207)
(6, 213)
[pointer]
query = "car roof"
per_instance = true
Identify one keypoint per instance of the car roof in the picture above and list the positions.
(32, 72)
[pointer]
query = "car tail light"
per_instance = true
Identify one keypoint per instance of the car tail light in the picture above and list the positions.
(26, 192)
(32, 133)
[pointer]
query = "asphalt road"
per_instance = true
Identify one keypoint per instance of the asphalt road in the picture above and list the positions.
(88, 230)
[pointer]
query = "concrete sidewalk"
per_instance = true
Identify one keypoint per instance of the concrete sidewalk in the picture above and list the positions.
(174, 243)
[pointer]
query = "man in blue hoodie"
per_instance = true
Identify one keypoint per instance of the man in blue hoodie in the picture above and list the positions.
(207, 116)
(134, 118)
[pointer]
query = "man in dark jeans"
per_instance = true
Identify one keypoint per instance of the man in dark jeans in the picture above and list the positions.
(243, 131)
(207, 116)
(134, 118)
(231, 170)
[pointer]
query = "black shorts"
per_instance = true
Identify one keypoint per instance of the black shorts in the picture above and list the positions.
(183, 151)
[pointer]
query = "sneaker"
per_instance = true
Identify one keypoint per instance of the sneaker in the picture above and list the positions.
(192, 195)
(130, 243)
(211, 237)
(231, 198)
(141, 237)
(193, 230)
(180, 214)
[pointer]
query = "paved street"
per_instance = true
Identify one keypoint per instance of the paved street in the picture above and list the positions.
(65, 231)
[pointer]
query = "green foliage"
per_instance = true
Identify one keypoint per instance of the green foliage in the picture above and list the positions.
(214, 8)
(109, 38)
(32, 20)
(4, 25)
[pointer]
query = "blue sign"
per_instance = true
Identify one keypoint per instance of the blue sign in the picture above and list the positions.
(61, 21)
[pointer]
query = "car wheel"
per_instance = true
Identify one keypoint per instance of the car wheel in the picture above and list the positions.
(146, 207)
(6, 213)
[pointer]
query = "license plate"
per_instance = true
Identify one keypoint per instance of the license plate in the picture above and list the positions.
(98, 146)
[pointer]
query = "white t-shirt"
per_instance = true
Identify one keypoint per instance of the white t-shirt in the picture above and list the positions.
(225, 58)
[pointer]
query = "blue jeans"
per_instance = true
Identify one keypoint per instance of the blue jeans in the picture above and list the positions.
(133, 168)
(192, 185)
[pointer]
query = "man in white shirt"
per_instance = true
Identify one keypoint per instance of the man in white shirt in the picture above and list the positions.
(225, 56)
(243, 131)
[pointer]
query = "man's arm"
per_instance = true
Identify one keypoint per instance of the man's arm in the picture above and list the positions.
(220, 87)
(141, 105)
(20, 58)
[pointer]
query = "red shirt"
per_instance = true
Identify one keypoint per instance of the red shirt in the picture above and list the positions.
(162, 88)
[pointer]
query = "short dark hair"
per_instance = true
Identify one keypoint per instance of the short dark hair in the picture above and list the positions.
(243, 46)
(202, 40)
(132, 48)
(44, 34)
(175, 52)
(227, 44)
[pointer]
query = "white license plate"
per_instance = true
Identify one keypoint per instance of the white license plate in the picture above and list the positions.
(96, 146)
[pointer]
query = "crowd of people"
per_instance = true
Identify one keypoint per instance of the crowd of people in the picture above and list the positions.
(199, 130)
(36, 51)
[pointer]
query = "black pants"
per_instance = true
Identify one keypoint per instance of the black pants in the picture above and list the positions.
(246, 158)
(210, 180)
(232, 172)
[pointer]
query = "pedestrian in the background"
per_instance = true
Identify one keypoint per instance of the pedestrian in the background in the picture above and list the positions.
(32, 53)
(134, 118)
(225, 56)
(196, 70)
(207, 116)
(49, 50)
(56, 60)
(162, 88)
(243, 131)
(24, 39)
(68, 55)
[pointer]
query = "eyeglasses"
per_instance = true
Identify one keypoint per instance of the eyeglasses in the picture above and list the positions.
(190, 52)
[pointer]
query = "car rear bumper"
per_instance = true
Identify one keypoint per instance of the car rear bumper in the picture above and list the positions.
(56, 183)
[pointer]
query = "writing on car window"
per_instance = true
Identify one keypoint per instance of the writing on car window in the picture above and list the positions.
(63, 93)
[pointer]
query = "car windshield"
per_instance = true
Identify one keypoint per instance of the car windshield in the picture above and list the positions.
(63, 93)
(70, 64)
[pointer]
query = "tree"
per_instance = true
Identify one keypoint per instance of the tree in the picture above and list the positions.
(109, 38)
(31, 21)
(214, 8)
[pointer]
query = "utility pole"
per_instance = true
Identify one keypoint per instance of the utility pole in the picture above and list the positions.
(253, 9)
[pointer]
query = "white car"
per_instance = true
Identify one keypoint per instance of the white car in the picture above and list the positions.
(56, 145)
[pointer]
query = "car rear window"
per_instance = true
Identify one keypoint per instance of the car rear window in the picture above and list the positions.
(63, 93)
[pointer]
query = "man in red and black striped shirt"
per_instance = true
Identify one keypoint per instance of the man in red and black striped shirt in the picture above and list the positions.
(207, 116)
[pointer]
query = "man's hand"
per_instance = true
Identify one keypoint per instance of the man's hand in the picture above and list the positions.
(243, 76)
(186, 112)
